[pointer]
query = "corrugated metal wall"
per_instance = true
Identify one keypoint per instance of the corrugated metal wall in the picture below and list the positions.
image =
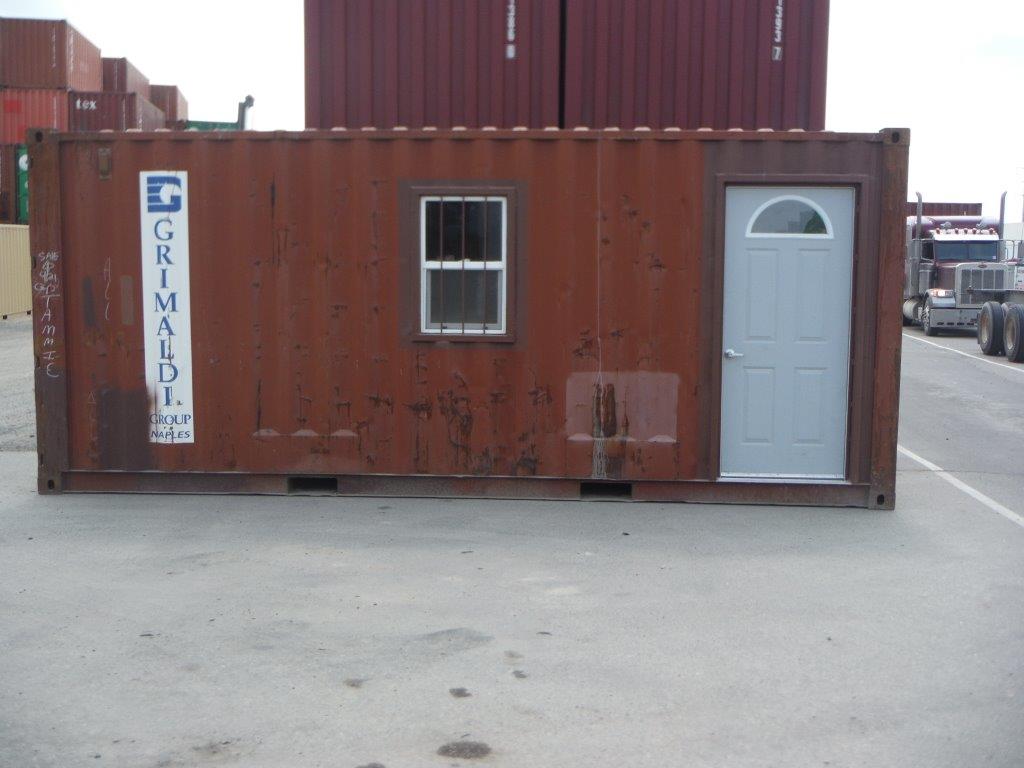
(440, 63)
(598, 63)
(15, 270)
(97, 111)
(169, 100)
(303, 274)
(696, 63)
(37, 53)
(944, 209)
(120, 76)
(24, 108)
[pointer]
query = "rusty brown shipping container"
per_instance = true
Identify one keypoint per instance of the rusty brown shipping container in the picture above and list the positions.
(440, 63)
(98, 111)
(38, 53)
(121, 76)
(170, 100)
(944, 209)
(492, 313)
(25, 108)
(696, 63)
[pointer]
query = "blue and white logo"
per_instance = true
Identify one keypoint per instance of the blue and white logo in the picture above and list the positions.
(163, 194)
(167, 316)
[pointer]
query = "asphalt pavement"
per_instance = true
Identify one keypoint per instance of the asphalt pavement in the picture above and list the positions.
(265, 631)
(17, 403)
(964, 411)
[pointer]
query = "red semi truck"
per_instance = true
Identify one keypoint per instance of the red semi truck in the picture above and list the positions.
(960, 274)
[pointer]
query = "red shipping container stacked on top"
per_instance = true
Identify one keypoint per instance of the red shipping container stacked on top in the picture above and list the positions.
(39, 61)
(696, 63)
(170, 100)
(419, 63)
(37, 53)
(121, 76)
(599, 63)
(98, 111)
(25, 108)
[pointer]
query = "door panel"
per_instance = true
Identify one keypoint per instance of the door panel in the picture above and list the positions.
(786, 331)
(758, 405)
(762, 312)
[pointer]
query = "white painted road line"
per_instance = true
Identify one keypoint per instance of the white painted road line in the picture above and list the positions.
(979, 358)
(974, 493)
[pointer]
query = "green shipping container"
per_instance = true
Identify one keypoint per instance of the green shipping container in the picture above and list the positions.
(21, 166)
(209, 125)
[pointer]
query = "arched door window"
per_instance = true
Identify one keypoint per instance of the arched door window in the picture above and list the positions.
(789, 216)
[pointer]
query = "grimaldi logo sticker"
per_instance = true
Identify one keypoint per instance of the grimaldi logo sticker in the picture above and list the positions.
(163, 198)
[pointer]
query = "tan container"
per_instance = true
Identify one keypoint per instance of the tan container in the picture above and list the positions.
(15, 270)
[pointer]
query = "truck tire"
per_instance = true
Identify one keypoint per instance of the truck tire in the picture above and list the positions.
(926, 320)
(990, 328)
(1013, 333)
(910, 311)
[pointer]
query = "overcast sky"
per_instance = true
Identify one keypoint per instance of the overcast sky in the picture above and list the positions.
(950, 71)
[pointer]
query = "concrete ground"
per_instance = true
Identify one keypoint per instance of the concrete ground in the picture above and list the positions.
(17, 401)
(195, 631)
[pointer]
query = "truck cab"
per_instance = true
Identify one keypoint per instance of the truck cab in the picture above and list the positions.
(954, 264)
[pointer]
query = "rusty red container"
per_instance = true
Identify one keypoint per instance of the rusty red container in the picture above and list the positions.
(944, 209)
(121, 76)
(98, 111)
(170, 100)
(37, 53)
(25, 108)
(436, 63)
(310, 356)
(696, 63)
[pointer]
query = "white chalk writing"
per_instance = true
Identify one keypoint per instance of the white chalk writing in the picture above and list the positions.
(48, 292)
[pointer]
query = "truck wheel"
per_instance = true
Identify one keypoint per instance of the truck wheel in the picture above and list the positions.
(926, 320)
(1013, 333)
(911, 308)
(990, 328)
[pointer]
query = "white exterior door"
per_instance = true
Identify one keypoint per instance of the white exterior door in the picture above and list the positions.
(786, 332)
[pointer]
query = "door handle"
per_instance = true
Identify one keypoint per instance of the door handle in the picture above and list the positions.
(731, 353)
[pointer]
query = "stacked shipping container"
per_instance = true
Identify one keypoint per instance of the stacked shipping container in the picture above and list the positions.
(24, 108)
(40, 61)
(703, 63)
(944, 209)
(170, 100)
(422, 63)
(37, 53)
(51, 76)
(99, 111)
(121, 76)
(539, 63)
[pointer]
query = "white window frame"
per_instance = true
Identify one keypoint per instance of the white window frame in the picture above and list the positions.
(426, 267)
(827, 235)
